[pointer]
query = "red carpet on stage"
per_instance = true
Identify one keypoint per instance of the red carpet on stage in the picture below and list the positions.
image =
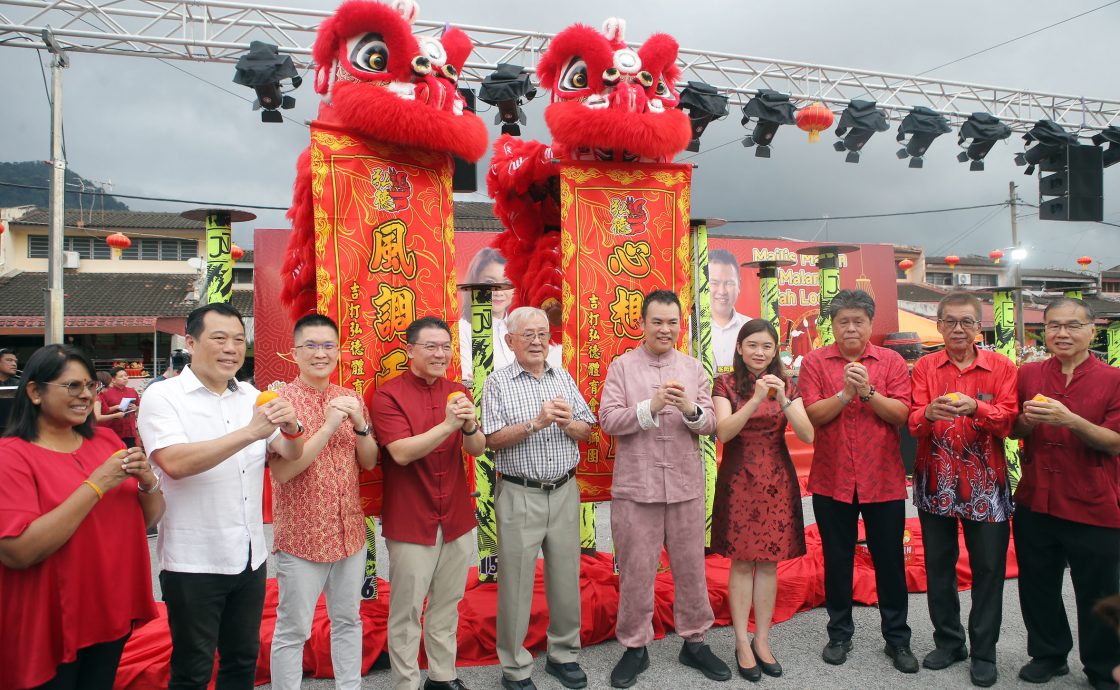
(147, 655)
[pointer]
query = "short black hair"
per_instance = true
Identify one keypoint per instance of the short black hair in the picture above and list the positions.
(7, 351)
(195, 320)
(313, 321)
(723, 256)
(179, 360)
(1067, 301)
(852, 299)
(45, 366)
(114, 371)
(412, 333)
(662, 297)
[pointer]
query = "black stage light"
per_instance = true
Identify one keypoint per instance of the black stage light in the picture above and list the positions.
(262, 69)
(508, 88)
(1050, 140)
(984, 129)
(858, 122)
(1111, 135)
(771, 110)
(923, 125)
(703, 103)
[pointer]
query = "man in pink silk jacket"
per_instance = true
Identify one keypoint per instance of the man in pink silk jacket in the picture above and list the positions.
(656, 403)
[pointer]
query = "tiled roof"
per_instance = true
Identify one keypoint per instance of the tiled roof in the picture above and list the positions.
(916, 292)
(972, 260)
(1056, 273)
(111, 220)
(476, 216)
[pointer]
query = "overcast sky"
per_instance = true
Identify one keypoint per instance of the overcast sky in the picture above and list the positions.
(154, 131)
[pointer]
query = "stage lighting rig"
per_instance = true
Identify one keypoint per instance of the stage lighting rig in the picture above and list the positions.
(262, 69)
(508, 88)
(984, 129)
(703, 103)
(1050, 140)
(771, 110)
(858, 122)
(923, 125)
(1111, 136)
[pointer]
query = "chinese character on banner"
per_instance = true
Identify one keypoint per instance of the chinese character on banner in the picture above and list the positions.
(625, 232)
(394, 309)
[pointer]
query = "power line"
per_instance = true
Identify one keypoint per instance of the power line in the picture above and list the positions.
(962, 235)
(868, 215)
(1012, 40)
(208, 204)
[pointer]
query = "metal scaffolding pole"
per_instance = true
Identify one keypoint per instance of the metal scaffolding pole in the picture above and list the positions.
(55, 317)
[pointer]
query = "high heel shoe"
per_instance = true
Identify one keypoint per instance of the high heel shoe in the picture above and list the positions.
(754, 673)
(773, 670)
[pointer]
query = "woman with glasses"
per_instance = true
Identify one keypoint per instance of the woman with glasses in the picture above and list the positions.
(75, 576)
(110, 408)
(756, 519)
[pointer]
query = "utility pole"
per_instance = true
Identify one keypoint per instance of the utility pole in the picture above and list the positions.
(1016, 271)
(55, 312)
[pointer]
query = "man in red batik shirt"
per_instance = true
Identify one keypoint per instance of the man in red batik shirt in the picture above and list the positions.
(965, 403)
(857, 395)
(1068, 500)
(426, 516)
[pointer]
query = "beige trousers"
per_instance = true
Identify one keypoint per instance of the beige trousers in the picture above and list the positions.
(416, 571)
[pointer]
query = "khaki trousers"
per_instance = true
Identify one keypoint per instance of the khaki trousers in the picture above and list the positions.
(531, 520)
(416, 571)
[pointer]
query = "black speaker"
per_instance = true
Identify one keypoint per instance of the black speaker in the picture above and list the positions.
(1077, 182)
(465, 176)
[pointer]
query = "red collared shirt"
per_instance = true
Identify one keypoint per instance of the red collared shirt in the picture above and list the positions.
(856, 455)
(317, 514)
(1062, 476)
(961, 470)
(432, 491)
(125, 426)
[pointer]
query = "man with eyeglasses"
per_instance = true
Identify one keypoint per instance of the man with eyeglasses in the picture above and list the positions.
(534, 418)
(424, 421)
(723, 283)
(319, 529)
(964, 406)
(209, 438)
(9, 368)
(1068, 499)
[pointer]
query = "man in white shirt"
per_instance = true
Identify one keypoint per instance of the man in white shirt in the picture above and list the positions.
(723, 284)
(208, 437)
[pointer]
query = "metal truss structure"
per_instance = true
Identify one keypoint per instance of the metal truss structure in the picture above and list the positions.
(220, 31)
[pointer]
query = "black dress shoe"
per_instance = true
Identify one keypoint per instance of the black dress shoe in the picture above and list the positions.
(444, 685)
(753, 674)
(570, 674)
(836, 651)
(904, 659)
(944, 657)
(1041, 670)
(523, 684)
(773, 670)
(982, 673)
(634, 660)
(699, 655)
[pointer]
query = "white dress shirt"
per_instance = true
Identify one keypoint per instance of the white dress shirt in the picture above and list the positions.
(212, 518)
(723, 340)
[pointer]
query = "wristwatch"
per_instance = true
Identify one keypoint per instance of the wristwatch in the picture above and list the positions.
(870, 393)
(363, 432)
(299, 431)
(530, 428)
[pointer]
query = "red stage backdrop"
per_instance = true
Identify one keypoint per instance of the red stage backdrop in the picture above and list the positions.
(625, 232)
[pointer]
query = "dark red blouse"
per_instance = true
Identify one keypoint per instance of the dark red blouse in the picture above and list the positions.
(427, 493)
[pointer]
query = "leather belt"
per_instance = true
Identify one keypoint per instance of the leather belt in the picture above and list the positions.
(543, 486)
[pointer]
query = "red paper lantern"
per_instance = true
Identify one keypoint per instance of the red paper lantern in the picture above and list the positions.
(3, 227)
(906, 264)
(1084, 262)
(814, 119)
(952, 260)
(995, 255)
(236, 252)
(118, 242)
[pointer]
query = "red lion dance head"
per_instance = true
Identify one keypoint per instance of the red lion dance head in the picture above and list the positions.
(380, 81)
(609, 102)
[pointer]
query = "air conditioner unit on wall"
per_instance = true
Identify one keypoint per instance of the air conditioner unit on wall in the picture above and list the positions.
(71, 259)
(964, 279)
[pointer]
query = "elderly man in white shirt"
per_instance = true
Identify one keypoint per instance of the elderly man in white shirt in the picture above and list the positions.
(208, 437)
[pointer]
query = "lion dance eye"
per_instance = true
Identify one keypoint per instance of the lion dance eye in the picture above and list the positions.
(370, 54)
(575, 76)
(645, 79)
(377, 62)
(611, 76)
(450, 72)
(662, 89)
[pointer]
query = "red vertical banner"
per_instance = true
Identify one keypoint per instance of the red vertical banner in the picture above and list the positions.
(385, 255)
(625, 232)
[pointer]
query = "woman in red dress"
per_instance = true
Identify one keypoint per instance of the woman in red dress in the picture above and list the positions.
(107, 408)
(757, 519)
(75, 575)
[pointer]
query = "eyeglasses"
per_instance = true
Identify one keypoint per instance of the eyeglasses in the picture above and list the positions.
(74, 388)
(432, 348)
(1073, 327)
(318, 347)
(967, 324)
(541, 336)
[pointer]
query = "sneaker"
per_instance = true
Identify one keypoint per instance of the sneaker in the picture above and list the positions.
(904, 659)
(1041, 670)
(634, 660)
(983, 673)
(836, 651)
(570, 674)
(699, 655)
(944, 657)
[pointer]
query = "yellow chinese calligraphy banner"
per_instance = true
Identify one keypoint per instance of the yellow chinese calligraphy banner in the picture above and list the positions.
(625, 233)
(384, 256)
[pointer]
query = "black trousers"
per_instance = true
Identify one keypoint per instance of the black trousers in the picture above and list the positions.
(986, 543)
(884, 523)
(95, 668)
(1044, 544)
(206, 611)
